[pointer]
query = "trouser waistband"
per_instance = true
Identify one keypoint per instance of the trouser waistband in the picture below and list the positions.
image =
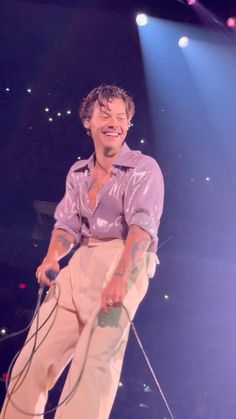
(92, 241)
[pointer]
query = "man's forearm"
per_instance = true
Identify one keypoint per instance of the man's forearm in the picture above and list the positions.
(136, 244)
(60, 244)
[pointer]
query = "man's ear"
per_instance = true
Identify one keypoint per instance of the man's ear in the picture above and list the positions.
(86, 123)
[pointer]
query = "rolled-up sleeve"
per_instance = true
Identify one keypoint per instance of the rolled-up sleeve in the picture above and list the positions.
(144, 196)
(66, 213)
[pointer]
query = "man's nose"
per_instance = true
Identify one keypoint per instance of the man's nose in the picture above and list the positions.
(113, 121)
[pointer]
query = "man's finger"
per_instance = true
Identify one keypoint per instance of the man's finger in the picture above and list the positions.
(104, 305)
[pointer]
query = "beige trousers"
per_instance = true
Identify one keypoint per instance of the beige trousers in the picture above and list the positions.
(79, 332)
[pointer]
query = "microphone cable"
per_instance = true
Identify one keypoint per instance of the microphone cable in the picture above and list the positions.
(154, 375)
(14, 334)
(35, 348)
(69, 395)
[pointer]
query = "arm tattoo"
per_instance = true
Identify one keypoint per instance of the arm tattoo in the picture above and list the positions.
(138, 249)
(129, 260)
(66, 244)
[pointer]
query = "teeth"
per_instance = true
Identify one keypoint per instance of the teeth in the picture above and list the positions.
(112, 134)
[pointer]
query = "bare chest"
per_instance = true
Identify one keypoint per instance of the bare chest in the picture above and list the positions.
(98, 182)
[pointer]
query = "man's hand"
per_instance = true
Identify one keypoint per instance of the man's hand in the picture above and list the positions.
(47, 265)
(114, 293)
(60, 244)
(136, 244)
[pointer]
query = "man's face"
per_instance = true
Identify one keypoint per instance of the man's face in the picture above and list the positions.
(108, 125)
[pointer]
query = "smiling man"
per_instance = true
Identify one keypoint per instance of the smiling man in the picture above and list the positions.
(111, 212)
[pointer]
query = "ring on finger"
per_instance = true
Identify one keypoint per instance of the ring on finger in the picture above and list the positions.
(110, 303)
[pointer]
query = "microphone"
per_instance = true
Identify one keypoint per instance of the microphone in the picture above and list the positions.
(51, 274)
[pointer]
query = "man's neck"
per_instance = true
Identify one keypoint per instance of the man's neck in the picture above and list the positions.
(105, 158)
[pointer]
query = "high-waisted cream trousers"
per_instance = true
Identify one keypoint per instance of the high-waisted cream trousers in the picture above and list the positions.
(79, 332)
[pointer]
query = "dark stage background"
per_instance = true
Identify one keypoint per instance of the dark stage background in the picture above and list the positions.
(52, 54)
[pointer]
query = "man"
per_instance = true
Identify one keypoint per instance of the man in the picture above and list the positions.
(111, 208)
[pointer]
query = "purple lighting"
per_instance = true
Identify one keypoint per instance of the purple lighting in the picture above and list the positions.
(231, 22)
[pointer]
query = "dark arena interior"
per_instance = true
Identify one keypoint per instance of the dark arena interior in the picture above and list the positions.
(177, 58)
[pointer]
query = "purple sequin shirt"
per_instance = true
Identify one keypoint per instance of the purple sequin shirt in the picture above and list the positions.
(133, 195)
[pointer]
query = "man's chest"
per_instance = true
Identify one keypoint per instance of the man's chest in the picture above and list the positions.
(102, 193)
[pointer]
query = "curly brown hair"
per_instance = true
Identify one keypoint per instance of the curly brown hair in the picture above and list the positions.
(105, 93)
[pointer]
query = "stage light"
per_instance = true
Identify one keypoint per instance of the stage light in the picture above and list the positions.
(166, 297)
(121, 384)
(142, 141)
(58, 113)
(68, 112)
(46, 109)
(3, 331)
(231, 22)
(141, 19)
(188, 2)
(207, 179)
(143, 405)
(78, 158)
(183, 42)
(7, 89)
(50, 119)
(29, 90)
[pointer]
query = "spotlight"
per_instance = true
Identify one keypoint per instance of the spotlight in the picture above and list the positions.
(141, 19)
(188, 2)
(3, 331)
(147, 389)
(183, 42)
(231, 22)
(143, 405)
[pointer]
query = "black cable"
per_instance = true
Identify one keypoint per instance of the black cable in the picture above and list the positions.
(14, 334)
(40, 293)
(27, 365)
(148, 363)
(34, 349)
(23, 330)
(31, 337)
(55, 407)
(78, 379)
